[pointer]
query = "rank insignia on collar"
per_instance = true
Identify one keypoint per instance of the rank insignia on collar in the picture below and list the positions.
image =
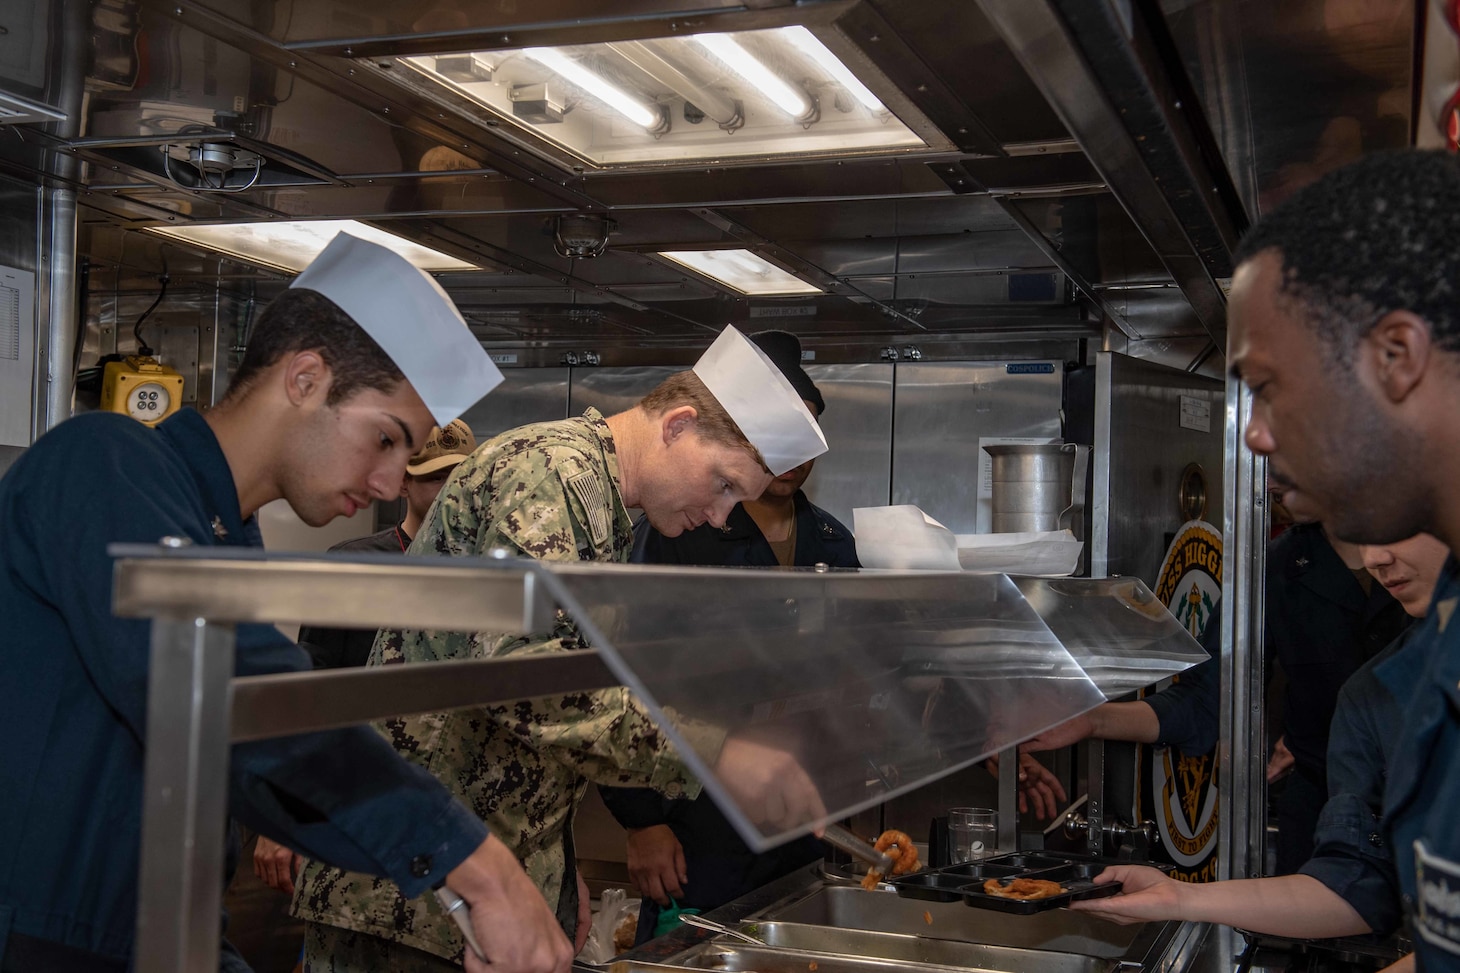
(1302, 562)
(219, 531)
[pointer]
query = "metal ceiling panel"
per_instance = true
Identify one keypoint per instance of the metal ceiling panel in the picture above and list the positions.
(1153, 150)
(852, 181)
(902, 246)
(957, 41)
(334, 25)
(1294, 89)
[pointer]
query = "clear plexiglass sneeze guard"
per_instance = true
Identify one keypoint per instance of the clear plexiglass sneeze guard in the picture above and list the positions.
(877, 684)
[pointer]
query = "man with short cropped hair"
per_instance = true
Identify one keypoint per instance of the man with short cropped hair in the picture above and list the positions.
(561, 491)
(1345, 324)
(342, 379)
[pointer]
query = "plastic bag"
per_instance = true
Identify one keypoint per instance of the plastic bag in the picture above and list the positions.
(616, 912)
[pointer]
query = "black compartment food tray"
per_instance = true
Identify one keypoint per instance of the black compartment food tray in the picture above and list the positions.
(1076, 873)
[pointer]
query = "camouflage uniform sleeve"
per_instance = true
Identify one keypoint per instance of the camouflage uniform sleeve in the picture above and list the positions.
(607, 736)
(550, 503)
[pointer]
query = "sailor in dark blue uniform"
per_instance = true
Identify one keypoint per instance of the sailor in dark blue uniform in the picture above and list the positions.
(1325, 619)
(1345, 323)
(1349, 887)
(687, 850)
(1422, 800)
(324, 413)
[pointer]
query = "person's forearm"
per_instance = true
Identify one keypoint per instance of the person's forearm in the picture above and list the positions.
(1295, 906)
(1135, 722)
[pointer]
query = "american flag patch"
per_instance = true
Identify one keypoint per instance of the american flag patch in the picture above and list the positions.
(589, 490)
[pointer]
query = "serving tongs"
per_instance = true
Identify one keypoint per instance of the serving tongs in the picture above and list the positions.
(700, 922)
(839, 837)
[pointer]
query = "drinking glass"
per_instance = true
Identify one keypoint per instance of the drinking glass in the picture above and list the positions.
(973, 832)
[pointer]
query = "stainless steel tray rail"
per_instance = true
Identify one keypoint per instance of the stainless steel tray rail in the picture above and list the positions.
(197, 707)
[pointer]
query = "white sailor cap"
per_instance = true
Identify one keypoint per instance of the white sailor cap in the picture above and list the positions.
(410, 317)
(761, 400)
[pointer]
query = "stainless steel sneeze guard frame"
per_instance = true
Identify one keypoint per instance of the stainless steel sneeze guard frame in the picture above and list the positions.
(877, 683)
(349, 590)
(195, 596)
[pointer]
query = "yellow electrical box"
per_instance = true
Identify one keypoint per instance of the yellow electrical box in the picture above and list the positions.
(142, 388)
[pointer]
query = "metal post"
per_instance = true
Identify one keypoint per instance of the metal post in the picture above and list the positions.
(57, 380)
(185, 796)
(1095, 804)
(1008, 839)
(1241, 784)
(58, 259)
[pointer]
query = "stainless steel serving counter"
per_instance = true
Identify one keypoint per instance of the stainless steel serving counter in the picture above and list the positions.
(876, 684)
(810, 923)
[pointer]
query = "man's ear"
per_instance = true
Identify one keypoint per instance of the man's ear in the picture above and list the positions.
(677, 422)
(305, 376)
(1401, 345)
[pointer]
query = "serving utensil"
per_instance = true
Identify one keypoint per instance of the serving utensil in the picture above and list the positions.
(690, 919)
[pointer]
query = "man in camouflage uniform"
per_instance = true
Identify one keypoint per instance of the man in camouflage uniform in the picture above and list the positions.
(555, 491)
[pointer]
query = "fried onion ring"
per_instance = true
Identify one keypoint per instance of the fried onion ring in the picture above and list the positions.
(904, 855)
(1023, 889)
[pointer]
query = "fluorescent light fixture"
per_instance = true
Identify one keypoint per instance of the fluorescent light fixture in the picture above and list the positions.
(743, 271)
(291, 246)
(805, 42)
(653, 63)
(634, 109)
(625, 94)
(789, 99)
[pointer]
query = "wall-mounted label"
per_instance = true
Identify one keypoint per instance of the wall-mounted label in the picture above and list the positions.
(783, 311)
(510, 358)
(17, 354)
(1029, 368)
(807, 355)
(1196, 413)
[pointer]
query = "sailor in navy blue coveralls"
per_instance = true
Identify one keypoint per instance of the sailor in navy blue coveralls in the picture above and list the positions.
(73, 693)
(1422, 799)
(323, 412)
(1322, 625)
(719, 864)
(1344, 322)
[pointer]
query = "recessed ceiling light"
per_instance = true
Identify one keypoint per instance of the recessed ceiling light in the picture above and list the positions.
(743, 271)
(291, 246)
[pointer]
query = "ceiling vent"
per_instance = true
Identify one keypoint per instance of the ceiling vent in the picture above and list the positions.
(15, 110)
(210, 161)
(581, 235)
(212, 167)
